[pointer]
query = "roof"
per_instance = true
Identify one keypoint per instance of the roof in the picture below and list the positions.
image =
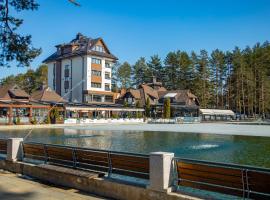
(47, 95)
(135, 93)
(11, 92)
(216, 112)
(149, 91)
(83, 46)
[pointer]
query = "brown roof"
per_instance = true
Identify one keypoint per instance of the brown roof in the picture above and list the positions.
(181, 96)
(4, 92)
(135, 93)
(149, 91)
(84, 46)
(9, 92)
(47, 95)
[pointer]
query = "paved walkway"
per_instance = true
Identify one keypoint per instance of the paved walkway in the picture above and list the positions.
(15, 187)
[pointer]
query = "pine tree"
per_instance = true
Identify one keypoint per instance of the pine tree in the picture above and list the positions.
(156, 68)
(124, 75)
(140, 72)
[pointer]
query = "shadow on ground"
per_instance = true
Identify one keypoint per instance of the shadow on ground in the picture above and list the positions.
(16, 195)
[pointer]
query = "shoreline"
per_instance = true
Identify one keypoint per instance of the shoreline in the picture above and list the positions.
(203, 128)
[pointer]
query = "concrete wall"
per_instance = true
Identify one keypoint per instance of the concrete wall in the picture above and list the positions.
(50, 74)
(89, 182)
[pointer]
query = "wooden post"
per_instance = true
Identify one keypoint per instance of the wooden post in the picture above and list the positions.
(10, 115)
(30, 114)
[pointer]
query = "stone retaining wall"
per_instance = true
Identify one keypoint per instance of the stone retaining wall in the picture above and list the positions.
(88, 182)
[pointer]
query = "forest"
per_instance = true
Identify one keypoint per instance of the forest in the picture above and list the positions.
(238, 80)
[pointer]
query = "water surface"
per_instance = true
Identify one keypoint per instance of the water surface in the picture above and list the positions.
(248, 150)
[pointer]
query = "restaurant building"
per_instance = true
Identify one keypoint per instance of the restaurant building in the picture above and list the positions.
(18, 107)
(183, 102)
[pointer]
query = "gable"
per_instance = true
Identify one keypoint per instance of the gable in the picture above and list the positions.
(100, 43)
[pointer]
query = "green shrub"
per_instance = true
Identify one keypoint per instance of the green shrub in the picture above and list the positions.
(34, 121)
(18, 121)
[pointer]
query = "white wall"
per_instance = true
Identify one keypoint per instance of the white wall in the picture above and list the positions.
(50, 74)
(78, 85)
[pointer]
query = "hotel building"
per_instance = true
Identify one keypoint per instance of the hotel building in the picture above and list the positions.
(80, 71)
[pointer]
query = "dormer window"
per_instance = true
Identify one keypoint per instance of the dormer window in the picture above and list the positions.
(98, 48)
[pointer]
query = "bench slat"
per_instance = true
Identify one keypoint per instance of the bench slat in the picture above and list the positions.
(211, 181)
(209, 175)
(213, 169)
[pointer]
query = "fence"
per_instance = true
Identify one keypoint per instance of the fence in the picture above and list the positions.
(128, 164)
(176, 120)
(237, 180)
(230, 179)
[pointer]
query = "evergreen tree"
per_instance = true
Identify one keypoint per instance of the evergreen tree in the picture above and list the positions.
(147, 107)
(156, 68)
(124, 75)
(140, 72)
(167, 108)
(171, 71)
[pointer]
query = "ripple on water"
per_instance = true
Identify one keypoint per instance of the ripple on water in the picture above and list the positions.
(204, 146)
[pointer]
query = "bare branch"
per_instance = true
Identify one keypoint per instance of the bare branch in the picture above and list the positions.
(74, 2)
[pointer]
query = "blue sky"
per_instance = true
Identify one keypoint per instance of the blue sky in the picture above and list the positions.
(138, 28)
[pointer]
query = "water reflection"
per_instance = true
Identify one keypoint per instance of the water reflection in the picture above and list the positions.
(223, 148)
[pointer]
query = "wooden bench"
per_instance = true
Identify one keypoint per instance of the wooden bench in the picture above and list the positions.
(227, 180)
(93, 160)
(88, 159)
(130, 165)
(34, 151)
(59, 155)
(3, 146)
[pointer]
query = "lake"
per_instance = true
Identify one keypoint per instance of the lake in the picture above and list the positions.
(237, 149)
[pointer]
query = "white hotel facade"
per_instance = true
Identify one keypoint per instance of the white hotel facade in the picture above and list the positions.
(80, 71)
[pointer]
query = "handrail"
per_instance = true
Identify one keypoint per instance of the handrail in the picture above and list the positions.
(92, 149)
(122, 163)
(222, 164)
(215, 177)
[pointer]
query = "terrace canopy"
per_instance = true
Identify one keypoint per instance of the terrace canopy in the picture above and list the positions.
(96, 111)
(216, 114)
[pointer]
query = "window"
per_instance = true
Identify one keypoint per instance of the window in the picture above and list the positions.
(96, 61)
(107, 87)
(97, 98)
(98, 48)
(95, 85)
(107, 75)
(108, 98)
(66, 84)
(107, 65)
(66, 70)
(96, 73)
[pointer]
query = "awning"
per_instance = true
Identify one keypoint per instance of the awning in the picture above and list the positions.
(216, 112)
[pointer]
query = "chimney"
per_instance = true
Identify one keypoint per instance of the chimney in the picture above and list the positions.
(79, 36)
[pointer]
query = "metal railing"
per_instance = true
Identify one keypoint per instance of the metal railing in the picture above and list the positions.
(110, 162)
(231, 179)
